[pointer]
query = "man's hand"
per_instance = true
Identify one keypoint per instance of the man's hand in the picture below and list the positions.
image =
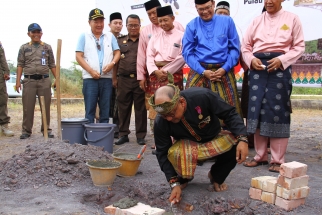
(54, 84)
(216, 75)
(256, 64)
(161, 75)
(6, 77)
(95, 74)
(143, 85)
(114, 81)
(18, 85)
(274, 64)
(108, 68)
(175, 196)
(241, 152)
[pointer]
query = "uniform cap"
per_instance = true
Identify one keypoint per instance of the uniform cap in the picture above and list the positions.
(115, 15)
(151, 4)
(34, 27)
(201, 1)
(164, 11)
(223, 5)
(96, 13)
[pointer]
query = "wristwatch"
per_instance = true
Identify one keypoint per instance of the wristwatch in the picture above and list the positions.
(113, 62)
(174, 184)
(203, 73)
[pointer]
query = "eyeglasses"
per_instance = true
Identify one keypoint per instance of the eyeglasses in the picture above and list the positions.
(200, 10)
(133, 26)
(98, 46)
(172, 113)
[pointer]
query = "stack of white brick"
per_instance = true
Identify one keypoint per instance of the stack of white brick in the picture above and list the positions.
(288, 191)
(292, 186)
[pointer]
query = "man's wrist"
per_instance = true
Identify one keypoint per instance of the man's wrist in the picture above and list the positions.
(113, 62)
(203, 73)
(174, 184)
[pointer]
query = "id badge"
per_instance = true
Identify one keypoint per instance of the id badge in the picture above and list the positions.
(43, 61)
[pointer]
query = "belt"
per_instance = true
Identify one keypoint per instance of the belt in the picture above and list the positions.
(128, 75)
(36, 77)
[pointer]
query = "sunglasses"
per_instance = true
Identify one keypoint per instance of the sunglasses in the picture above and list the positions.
(98, 46)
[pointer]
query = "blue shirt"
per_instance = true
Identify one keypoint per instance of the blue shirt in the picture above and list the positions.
(215, 41)
(81, 45)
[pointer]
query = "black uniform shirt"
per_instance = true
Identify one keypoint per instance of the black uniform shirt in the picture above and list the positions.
(129, 51)
(200, 101)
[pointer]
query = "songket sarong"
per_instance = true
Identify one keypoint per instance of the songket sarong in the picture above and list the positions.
(269, 104)
(153, 84)
(226, 88)
(184, 154)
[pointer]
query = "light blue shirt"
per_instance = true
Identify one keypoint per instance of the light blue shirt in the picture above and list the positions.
(212, 42)
(81, 45)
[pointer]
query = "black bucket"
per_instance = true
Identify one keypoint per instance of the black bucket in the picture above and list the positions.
(72, 129)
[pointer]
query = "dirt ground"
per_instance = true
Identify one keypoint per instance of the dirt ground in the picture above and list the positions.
(52, 178)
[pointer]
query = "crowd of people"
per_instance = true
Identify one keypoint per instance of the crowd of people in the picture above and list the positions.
(144, 68)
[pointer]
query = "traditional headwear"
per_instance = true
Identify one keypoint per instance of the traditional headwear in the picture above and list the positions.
(115, 15)
(166, 107)
(34, 27)
(164, 11)
(223, 5)
(151, 4)
(96, 13)
(201, 1)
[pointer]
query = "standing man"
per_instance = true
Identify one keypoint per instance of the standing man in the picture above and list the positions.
(223, 8)
(271, 44)
(4, 75)
(164, 54)
(211, 49)
(97, 53)
(146, 33)
(128, 88)
(34, 60)
(191, 117)
(116, 25)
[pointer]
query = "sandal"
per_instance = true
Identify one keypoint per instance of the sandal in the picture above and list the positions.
(254, 163)
(274, 167)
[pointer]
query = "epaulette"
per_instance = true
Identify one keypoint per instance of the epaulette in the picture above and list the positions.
(121, 35)
(30, 43)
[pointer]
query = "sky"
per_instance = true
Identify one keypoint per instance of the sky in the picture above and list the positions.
(59, 19)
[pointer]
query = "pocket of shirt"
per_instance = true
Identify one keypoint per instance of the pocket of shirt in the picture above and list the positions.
(222, 39)
(124, 49)
(174, 52)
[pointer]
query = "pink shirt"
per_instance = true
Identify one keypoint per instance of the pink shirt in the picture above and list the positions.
(165, 46)
(280, 32)
(145, 35)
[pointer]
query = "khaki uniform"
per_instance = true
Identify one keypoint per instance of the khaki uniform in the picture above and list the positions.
(4, 69)
(129, 91)
(36, 81)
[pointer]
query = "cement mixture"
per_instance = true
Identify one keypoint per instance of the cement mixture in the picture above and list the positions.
(52, 177)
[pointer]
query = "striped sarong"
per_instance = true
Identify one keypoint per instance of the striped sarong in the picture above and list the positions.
(226, 88)
(184, 154)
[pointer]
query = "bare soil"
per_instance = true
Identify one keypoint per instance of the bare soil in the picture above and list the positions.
(38, 177)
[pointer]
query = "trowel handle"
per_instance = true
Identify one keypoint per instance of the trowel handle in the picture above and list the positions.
(141, 151)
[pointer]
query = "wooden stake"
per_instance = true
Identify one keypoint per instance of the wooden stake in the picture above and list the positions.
(44, 117)
(59, 44)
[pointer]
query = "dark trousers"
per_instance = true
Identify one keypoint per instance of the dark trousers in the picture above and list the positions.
(223, 165)
(4, 118)
(129, 93)
(114, 110)
(31, 89)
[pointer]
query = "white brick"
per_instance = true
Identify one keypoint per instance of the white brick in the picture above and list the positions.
(289, 204)
(293, 169)
(297, 193)
(268, 197)
(255, 193)
(140, 209)
(293, 183)
(270, 185)
(110, 210)
(258, 181)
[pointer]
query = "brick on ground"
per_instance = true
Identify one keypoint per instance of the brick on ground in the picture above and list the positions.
(293, 169)
(270, 185)
(292, 183)
(140, 208)
(289, 204)
(258, 182)
(268, 197)
(110, 210)
(255, 193)
(297, 193)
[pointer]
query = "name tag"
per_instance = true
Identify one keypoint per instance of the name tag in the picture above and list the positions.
(43, 61)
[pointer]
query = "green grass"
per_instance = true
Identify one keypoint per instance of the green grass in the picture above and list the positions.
(307, 91)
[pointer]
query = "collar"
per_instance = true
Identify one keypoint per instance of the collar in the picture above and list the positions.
(169, 32)
(41, 43)
(275, 14)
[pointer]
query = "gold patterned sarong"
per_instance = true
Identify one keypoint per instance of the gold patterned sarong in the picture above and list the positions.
(184, 154)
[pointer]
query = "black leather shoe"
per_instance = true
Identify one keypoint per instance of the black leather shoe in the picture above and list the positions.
(154, 152)
(122, 140)
(141, 141)
(49, 135)
(116, 134)
(24, 136)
